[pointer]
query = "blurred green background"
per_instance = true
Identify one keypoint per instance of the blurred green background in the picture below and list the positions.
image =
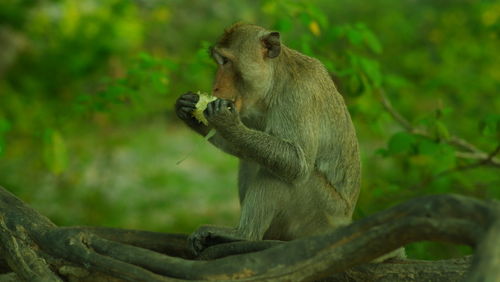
(88, 135)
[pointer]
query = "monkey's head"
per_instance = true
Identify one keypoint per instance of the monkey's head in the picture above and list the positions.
(245, 56)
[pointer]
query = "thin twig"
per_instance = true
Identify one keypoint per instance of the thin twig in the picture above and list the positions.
(470, 151)
(488, 160)
(395, 115)
(494, 153)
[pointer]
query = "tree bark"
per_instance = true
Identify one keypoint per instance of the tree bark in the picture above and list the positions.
(36, 249)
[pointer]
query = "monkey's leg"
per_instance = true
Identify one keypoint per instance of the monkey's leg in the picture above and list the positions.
(260, 207)
(264, 207)
(207, 235)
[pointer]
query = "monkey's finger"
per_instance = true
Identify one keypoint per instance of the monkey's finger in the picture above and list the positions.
(224, 104)
(190, 96)
(228, 105)
(210, 110)
(182, 115)
(219, 105)
(187, 109)
(231, 106)
(185, 113)
(186, 103)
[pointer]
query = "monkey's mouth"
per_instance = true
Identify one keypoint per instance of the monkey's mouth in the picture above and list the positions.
(231, 98)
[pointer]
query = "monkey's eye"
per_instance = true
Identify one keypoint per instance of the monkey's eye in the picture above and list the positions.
(221, 60)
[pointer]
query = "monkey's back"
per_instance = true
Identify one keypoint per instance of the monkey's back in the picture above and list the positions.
(336, 161)
(312, 112)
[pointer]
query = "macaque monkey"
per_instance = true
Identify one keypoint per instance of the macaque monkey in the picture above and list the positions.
(279, 112)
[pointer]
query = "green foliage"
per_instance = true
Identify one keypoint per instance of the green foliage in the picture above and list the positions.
(55, 152)
(401, 142)
(85, 87)
(4, 127)
(490, 126)
(139, 90)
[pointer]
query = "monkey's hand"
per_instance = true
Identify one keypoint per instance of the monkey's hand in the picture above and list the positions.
(185, 105)
(199, 240)
(207, 235)
(222, 114)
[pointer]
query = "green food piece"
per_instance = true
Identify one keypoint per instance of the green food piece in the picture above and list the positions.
(201, 106)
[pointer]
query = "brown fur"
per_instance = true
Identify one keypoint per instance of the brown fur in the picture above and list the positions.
(299, 161)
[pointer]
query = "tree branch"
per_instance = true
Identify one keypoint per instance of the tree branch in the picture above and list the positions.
(342, 253)
(169, 244)
(21, 257)
(469, 151)
(407, 270)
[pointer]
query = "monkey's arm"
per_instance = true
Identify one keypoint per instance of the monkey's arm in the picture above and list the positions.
(200, 128)
(184, 107)
(218, 141)
(285, 158)
(288, 151)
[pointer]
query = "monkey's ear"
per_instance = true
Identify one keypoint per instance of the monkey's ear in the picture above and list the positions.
(272, 44)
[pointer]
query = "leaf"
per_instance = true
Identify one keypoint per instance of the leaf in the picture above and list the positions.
(305, 18)
(355, 37)
(146, 60)
(421, 160)
(4, 127)
(401, 142)
(395, 81)
(170, 64)
(284, 25)
(201, 54)
(356, 86)
(490, 125)
(270, 7)
(427, 147)
(382, 152)
(445, 158)
(305, 45)
(318, 15)
(434, 156)
(442, 132)
(330, 66)
(372, 41)
(372, 69)
(335, 32)
(314, 28)
(55, 151)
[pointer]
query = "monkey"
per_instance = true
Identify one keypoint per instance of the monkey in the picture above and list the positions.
(279, 112)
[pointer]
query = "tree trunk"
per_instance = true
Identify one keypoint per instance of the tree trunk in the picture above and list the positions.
(34, 248)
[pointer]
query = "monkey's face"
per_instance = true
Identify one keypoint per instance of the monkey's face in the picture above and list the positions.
(244, 67)
(225, 79)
